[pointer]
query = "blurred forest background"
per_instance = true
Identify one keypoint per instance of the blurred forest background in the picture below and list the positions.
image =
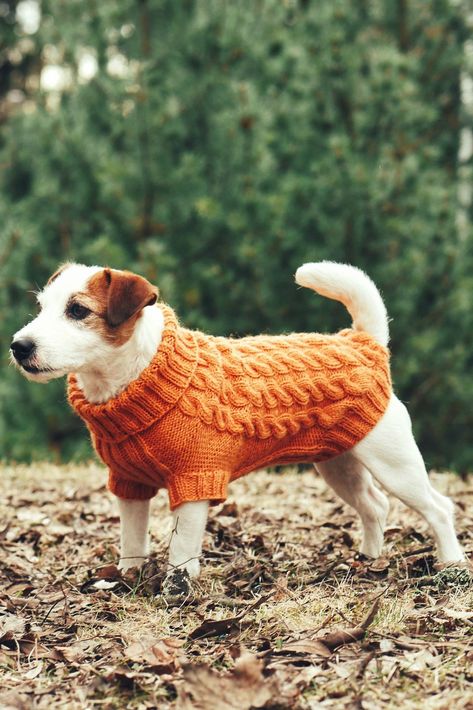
(215, 145)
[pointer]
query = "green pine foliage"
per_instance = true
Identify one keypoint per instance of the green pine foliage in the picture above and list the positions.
(239, 140)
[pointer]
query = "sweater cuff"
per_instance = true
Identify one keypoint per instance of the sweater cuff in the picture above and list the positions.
(198, 486)
(130, 490)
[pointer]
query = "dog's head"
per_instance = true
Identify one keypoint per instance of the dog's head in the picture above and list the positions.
(85, 312)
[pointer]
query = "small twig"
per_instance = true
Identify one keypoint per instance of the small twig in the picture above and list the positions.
(425, 581)
(324, 623)
(364, 664)
(311, 633)
(289, 592)
(35, 650)
(334, 639)
(419, 551)
(227, 601)
(322, 575)
(367, 621)
(45, 617)
(18, 655)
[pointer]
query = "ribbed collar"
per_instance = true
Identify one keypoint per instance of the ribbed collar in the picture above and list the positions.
(149, 397)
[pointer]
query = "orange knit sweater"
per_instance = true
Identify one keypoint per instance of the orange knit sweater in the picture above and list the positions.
(208, 410)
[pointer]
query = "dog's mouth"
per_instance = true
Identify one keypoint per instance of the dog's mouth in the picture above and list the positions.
(33, 370)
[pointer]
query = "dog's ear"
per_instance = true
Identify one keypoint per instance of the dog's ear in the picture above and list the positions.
(127, 294)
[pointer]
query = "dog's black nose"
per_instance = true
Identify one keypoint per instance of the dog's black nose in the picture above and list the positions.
(22, 348)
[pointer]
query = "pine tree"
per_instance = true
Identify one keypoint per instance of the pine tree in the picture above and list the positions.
(219, 146)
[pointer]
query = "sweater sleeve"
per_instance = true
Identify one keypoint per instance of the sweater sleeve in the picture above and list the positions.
(129, 489)
(187, 487)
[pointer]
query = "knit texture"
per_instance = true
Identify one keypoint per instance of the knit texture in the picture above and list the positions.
(208, 410)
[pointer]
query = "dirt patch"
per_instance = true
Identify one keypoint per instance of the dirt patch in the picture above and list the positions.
(285, 615)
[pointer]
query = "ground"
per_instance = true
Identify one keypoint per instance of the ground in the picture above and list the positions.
(285, 615)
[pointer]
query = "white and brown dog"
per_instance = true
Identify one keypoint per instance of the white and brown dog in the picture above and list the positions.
(106, 326)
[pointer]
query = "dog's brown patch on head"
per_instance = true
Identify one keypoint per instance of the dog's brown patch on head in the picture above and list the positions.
(116, 299)
(58, 272)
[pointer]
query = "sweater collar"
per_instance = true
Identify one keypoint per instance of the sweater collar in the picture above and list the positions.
(151, 395)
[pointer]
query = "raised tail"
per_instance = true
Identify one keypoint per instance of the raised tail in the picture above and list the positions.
(354, 289)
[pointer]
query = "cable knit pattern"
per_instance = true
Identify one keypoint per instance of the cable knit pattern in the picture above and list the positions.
(208, 409)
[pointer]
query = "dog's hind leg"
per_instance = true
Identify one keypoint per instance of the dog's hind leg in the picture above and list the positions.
(134, 543)
(354, 484)
(390, 453)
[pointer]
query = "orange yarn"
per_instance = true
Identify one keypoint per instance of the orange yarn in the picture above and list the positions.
(208, 410)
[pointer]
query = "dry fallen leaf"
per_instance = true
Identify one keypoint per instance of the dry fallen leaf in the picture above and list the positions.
(11, 627)
(344, 670)
(73, 653)
(14, 701)
(420, 660)
(271, 543)
(104, 584)
(163, 655)
(32, 516)
(340, 637)
(379, 565)
(243, 688)
(308, 646)
(109, 572)
(455, 614)
(386, 646)
(34, 672)
(217, 627)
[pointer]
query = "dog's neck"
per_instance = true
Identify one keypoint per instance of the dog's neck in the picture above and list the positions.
(126, 363)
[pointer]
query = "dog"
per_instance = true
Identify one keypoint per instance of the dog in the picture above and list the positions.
(108, 329)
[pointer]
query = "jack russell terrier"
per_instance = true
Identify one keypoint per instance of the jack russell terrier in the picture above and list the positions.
(175, 408)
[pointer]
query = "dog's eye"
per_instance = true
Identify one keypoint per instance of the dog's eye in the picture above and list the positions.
(77, 312)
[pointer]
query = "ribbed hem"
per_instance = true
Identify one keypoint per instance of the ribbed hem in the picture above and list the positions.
(198, 486)
(130, 490)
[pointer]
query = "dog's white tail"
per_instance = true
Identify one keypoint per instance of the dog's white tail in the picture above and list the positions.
(354, 289)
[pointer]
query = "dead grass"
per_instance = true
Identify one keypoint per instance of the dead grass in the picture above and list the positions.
(281, 572)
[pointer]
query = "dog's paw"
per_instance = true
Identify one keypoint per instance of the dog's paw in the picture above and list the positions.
(127, 563)
(176, 587)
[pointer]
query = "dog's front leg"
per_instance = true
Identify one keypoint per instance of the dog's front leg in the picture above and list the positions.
(134, 541)
(185, 546)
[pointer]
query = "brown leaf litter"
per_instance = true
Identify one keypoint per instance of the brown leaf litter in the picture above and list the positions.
(286, 613)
